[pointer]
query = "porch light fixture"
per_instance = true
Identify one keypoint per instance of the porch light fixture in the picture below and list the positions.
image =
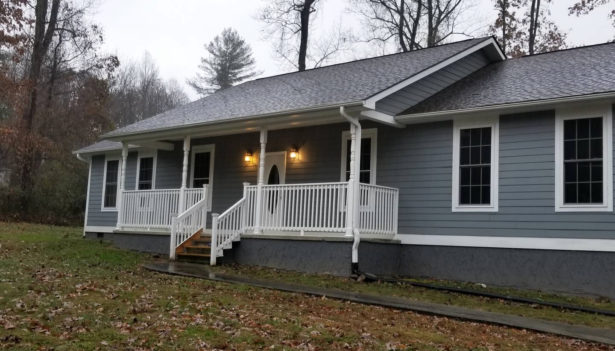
(294, 153)
(248, 158)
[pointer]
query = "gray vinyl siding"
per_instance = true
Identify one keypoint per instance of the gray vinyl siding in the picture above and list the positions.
(418, 161)
(428, 86)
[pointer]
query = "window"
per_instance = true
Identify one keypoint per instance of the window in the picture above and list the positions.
(583, 159)
(367, 173)
(203, 167)
(146, 172)
(110, 184)
(475, 165)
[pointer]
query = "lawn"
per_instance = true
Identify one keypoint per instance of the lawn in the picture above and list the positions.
(61, 292)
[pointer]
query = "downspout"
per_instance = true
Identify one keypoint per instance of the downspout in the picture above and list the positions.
(355, 130)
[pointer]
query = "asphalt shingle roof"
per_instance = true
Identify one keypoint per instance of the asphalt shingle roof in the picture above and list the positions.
(326, 86)
(573, 72)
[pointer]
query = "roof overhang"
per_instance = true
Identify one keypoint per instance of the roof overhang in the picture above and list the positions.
(514, 107)
(490, 46)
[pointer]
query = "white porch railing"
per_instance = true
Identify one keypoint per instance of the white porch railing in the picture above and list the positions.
(378, 209)
(187, 224)
(227, 228)
(154, 209)
(302, 207)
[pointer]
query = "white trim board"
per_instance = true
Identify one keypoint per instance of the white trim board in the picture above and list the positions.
(371, 101)
(603, 245)
(87, 197)
(98, 229)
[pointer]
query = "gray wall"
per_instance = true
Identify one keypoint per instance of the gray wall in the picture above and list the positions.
(428, 86)
(418, 161)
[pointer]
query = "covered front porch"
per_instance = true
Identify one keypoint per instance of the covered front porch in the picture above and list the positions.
(295, 192)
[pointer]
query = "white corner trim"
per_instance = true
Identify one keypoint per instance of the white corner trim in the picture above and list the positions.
(372, 134)
(371, 101)
(211, 148)
(146, 154)
(104, 183)
(87, 196)
(458, 125)
(585, 111)
(603, 245)
(98, 229)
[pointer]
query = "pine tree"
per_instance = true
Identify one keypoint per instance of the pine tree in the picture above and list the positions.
(229, 62)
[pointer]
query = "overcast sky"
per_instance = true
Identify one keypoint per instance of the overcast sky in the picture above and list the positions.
(174, 31)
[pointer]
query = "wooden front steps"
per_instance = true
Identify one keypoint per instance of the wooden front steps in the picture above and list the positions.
(197, 249)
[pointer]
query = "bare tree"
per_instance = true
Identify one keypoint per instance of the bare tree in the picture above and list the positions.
(441, 17)
(138, 92)
(229, 62)
(507, 27)
(290, 21)
(392, 20)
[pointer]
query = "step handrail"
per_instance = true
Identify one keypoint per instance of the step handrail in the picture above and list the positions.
(226, 228)
(188, 223)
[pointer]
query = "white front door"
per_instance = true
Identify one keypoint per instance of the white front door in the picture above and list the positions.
(275, 173)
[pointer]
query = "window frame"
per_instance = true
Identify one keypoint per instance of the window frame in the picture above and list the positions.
(104, 183)
(580, 112)
(492, 122)
(147, 154)
(211, 148)
(371, 133)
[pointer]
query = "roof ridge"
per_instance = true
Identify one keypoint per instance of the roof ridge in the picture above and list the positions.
(565, 49)
(368, 58)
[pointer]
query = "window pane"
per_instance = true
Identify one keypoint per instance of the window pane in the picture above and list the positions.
(596, 148)
(475, 155)
(146, 173)
(486, 176)
(584, 193)
(464, 158)
(475, 176)
(570, 172)
(570, 150)
(596, 189)
(475, 136)
(570, 193)
(583, 169)
(111, 178)
(582, 149)
(475, 195)
(570, 129)
(364, 177)
(486, 136)
(486, 194)
(464, 195)
(596, 127)
(596, 171)
(366, 159)
(485, 154)
(464, 136)
(582, 128)
(465, 176)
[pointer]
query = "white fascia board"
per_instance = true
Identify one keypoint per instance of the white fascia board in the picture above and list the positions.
(565, 244)
(371, 101)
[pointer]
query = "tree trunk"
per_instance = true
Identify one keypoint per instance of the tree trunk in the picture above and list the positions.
(305, 27)
(40, 45)
(431, 30)
(400, 27)
(504, 14)
(533, 25)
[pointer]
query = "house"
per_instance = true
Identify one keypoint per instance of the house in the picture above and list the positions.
(450, 162)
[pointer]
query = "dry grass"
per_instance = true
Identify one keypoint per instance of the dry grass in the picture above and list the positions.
(60, 292)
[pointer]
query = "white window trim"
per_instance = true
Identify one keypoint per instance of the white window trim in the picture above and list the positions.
(211, 148)
(372, 134)
(104, 184)
(588, 111)
(494, 123)
(146, 154)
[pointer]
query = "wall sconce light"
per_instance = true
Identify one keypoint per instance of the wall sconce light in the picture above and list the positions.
(248, 157)
(294, 153)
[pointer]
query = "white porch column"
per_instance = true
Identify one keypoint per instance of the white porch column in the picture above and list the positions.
(182, 191)
(261, 181)
(350, 192)
(122, 181)
(357, 177)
